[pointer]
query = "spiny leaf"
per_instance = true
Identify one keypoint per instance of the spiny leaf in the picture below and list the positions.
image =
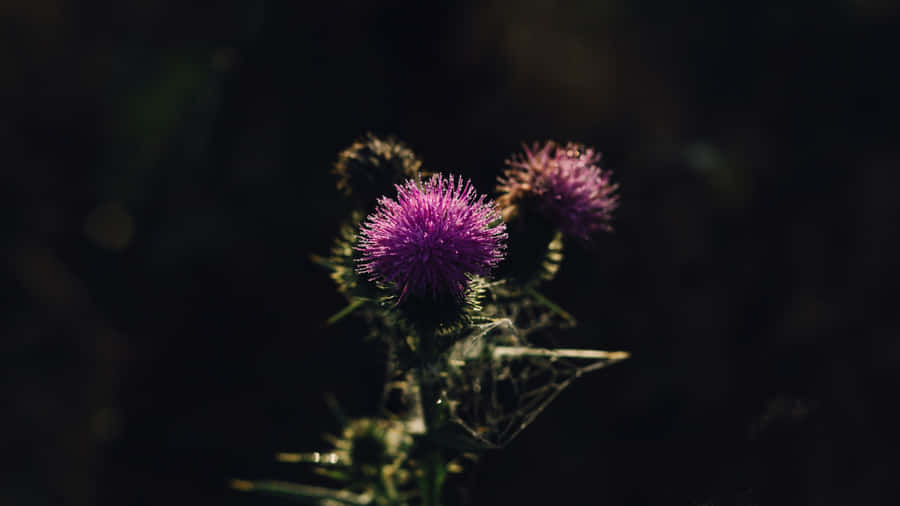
(306, 494)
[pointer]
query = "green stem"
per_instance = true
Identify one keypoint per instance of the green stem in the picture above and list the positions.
(434, 466)
(435, 472)
(387, 482)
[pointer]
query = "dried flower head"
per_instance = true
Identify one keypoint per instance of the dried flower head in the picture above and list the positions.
(372, 443)
(431, 238)
(566, 184)
(371, 166)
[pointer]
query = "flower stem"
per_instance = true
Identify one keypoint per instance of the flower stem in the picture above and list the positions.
(387, 484)
(433, 465)
(435, 472)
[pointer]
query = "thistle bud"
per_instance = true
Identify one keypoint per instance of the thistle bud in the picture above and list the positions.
(371, 166)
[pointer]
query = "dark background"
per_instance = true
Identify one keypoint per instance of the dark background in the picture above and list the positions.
(165, 179)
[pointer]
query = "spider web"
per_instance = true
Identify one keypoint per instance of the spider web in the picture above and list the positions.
(498, 381)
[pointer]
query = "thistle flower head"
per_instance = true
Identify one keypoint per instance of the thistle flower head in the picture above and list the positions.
(566, 183)
(431, 238)
(373, 442)
(371, 166)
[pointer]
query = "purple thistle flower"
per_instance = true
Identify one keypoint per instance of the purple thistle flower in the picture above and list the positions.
(567, 183)
(431, 237)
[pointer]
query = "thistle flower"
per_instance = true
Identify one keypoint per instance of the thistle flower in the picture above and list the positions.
(372, 443)
(371, 166)
(432, 238)
(566, 184)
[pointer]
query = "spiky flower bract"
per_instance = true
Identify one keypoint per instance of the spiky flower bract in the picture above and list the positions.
(371, 166)
(567, 185)
(341, 261)
(431, 238)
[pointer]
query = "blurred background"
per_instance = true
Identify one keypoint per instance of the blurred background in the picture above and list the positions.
(164, 180)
